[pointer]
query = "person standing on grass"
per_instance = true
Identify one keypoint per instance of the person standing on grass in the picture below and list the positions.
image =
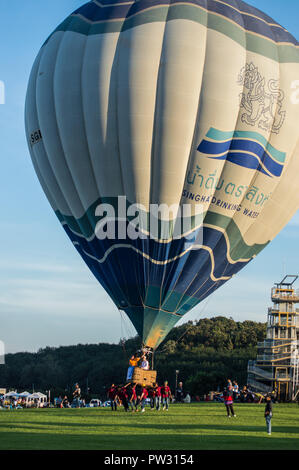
(138, 391)
(77, 395)
(134, 397)
(166, 395)
(123, 395)
(152, 394)
(157, 394)
(228, 401)
(112, 396)
(143, 398)
(268, 413)
(179, 393)
(131, 402)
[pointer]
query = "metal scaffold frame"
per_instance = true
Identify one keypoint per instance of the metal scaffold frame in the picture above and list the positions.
(276, 367)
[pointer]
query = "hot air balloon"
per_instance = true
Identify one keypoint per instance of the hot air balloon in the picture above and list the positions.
(141, 104)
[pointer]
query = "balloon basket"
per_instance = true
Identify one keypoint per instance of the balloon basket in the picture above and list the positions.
(144, 377)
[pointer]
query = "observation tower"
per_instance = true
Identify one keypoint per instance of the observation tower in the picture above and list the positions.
(277, 364)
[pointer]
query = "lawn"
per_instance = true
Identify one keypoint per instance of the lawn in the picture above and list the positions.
(202, 426)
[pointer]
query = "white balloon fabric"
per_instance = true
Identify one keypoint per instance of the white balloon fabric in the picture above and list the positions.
(175, 103)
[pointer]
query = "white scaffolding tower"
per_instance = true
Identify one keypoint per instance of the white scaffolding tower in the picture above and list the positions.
(277, 364)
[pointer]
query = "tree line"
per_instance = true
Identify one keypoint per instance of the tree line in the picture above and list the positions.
(206, 353)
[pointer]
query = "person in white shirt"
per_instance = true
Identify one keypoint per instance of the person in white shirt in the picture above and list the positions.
(144, 363)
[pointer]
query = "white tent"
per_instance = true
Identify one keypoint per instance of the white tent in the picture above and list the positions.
(39, 397)
(24, 394)
(11, 395)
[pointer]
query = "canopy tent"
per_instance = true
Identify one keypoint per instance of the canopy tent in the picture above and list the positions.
(25, 396)
(39, 399)
(31, 399)
(38, 396)
(11, 395)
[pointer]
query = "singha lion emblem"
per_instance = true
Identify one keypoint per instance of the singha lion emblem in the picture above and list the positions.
(263, 104)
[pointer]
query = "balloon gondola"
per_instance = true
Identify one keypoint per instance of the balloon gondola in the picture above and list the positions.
(138, 105)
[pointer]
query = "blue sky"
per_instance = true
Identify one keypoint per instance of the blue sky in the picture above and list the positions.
(47, 294)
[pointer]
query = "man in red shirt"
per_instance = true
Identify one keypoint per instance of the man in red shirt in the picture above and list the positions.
(131, 395)
(112, 395)
(157, 396)
(166, 395)
(134, 397)
(123, 395)
(152, 395)
(143, 397)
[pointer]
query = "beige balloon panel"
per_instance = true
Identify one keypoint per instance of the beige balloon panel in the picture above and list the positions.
(38, 154)
(47, 155)
(122, 120)
(220, 109)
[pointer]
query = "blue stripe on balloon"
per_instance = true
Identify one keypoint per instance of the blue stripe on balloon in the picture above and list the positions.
(214, 148)
(125, 285)
(126, 274)
(260, 159)
(274, 167)
(221, 136)
(159, 251)
(246, 160)
(243, 159)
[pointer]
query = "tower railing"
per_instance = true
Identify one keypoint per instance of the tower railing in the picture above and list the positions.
(289, 295)
(259, 386)
(273, 358)
(274, 343)
(254, 369)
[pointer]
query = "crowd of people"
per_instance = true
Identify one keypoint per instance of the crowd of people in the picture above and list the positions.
(240, 395)
(17, 403)
(133, 397)
(231, 392)
(76, 402)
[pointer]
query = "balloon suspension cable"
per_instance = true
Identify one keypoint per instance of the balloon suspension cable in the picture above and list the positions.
(124, 334)
(199, 315)
(123, 343)
(189, 327)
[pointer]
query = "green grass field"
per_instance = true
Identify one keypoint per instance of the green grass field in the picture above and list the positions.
(202, 426)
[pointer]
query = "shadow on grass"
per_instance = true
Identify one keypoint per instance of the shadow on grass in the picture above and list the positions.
(47, 441)
(175, 427)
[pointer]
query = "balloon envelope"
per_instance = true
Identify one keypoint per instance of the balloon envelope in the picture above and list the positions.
(166, 104)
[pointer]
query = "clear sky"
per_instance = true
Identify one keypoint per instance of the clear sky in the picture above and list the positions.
(48, 297)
